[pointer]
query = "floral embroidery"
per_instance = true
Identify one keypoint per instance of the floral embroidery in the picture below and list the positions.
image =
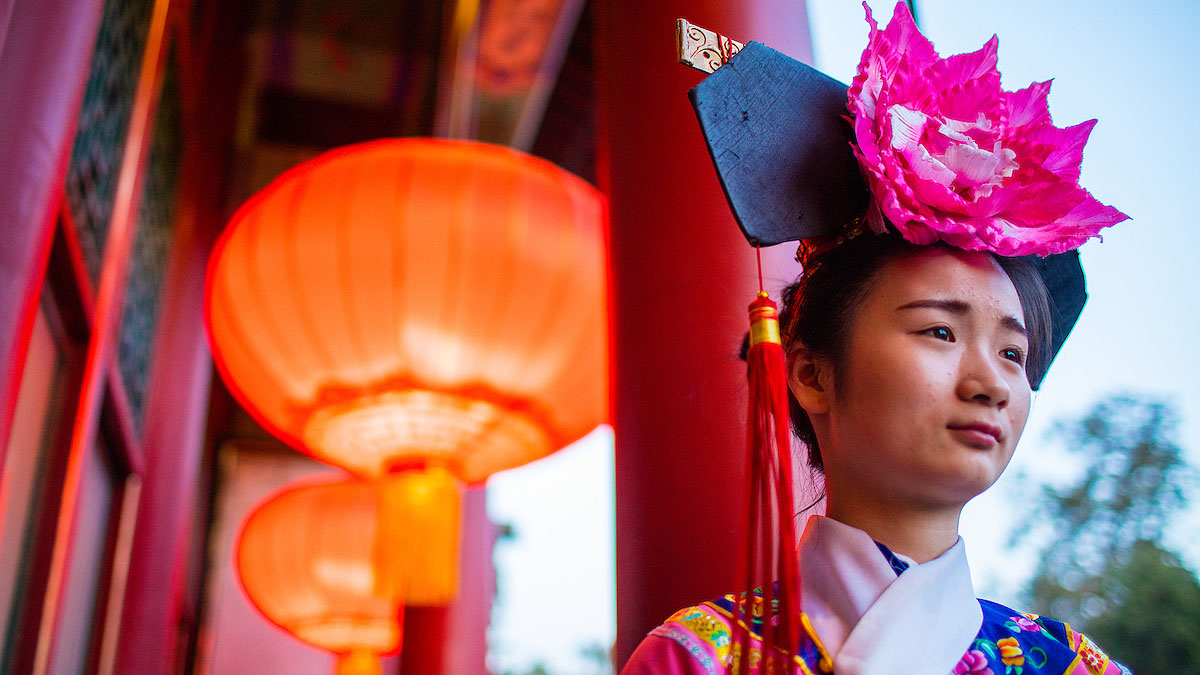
(734, 660)
(1036, 657)
(1008, 643)
(1091, 655)
(713, 624)
(707, 627)
(973, 662)
(1011, 655)
(1027, 624)
(690, 643)
(736, 604)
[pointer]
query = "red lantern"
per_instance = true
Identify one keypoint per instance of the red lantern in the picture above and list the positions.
(416, 302)
(307, 558)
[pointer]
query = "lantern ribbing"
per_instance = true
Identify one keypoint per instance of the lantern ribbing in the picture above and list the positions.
(415, 298)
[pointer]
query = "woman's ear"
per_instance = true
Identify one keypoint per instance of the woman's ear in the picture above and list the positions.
(805, 374)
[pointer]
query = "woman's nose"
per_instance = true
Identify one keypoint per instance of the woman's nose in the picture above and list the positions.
(981, 380)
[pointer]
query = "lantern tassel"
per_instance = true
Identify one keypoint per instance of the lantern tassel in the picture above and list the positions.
(770, 541)
(358, 663)
(417, 538)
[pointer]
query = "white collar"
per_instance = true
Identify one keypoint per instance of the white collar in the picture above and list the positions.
(872, 622)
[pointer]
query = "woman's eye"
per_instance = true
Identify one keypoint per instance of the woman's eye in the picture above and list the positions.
(1015, 355)
(940, 333)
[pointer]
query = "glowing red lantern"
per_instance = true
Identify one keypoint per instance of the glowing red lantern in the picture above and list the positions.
(416, 302)
(307, 558)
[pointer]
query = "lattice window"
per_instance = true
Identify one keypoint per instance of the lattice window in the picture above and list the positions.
(151, 246)
(103, 123)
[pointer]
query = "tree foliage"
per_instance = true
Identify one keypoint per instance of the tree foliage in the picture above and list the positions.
(596, 658)
(1106, 569)
(1156, 625)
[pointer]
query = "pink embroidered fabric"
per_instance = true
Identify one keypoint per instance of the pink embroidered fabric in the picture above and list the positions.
(658, 655)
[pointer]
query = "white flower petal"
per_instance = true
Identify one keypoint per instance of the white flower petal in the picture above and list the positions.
(974, 166)
(907, 126)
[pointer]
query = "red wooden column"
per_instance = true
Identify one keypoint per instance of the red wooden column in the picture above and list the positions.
(45, 50)
(156, 600)
(467, 618)
(682, 277)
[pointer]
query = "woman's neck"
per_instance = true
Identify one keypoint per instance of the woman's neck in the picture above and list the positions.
(919, 533)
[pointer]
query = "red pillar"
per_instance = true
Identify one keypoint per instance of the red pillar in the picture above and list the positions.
(452, 640)
(173, 436)
(467, 618)
(45, 50)
(682, 276)
(425, 636)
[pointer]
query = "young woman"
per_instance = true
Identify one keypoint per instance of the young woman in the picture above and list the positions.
(912, 345)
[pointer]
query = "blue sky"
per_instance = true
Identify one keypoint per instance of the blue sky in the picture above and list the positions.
(1132, 65)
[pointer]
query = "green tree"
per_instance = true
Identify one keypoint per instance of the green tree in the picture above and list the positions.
(599, 657)
(1158, 619)
(1106, 570)
(595, 656)
(536, 669)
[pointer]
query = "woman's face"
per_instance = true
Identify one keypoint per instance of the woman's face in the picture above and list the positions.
(931, 396)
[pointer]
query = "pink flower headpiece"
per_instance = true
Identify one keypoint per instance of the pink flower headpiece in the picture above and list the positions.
(951, 156)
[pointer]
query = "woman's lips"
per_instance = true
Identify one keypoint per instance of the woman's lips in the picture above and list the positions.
(977, 434)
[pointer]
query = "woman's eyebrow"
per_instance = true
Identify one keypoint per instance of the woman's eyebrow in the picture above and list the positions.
(1014, 324)
(960, 307)
(951, 306)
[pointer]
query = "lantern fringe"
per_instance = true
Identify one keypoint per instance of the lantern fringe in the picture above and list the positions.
(417, 536)
(358, 663)
(770, 540)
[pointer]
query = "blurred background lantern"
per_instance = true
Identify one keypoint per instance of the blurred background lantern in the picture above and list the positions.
(307, 558)
(416, 302)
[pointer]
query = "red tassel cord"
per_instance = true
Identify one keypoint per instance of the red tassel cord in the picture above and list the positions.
(770, 541)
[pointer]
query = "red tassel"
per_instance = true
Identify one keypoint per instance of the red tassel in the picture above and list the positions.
(770, 542)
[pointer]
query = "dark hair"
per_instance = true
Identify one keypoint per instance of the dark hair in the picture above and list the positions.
(818, 308)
